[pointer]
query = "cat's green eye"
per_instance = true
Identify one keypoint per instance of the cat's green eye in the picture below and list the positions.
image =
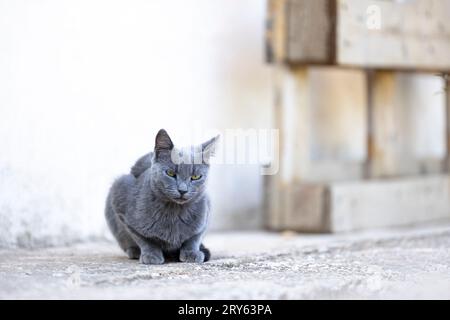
(170, 173)
(195, 177)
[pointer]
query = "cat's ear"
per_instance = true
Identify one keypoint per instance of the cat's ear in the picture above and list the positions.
(209, 148)
(163, 142)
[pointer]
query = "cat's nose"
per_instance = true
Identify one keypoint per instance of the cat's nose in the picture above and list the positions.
(182, 188)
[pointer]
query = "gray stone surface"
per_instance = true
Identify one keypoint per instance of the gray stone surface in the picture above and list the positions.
(391, 264)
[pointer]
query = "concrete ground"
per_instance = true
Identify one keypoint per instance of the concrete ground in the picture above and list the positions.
(389, 264)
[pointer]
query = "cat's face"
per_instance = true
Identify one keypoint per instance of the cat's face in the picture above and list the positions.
(176, 176)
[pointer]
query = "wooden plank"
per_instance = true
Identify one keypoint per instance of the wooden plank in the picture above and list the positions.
(276, 36)
(411, 34)
(370, 150)
(388, 129)
(349, 206)
(300, 31)
(310, 31)
(306, 207)
(387, 203)
(423, 97)
(321, 116)
(295, 124)
(366, 204)
(271, 202)
(338, 126)
(446, 78)
(406, 118)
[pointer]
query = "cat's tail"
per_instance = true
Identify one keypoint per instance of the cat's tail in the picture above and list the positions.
(206, 252)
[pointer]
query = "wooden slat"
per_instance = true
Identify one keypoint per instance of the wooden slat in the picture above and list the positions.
(321, 116)
(413, 34)
(271, 202)
(310, 31)
(447, 121)
(276, 36)
(424, 98)
(387, 203)
(366, 204)
(405, 125)
(295, 125)
(388, 129)
(338, 123)
(306, 208)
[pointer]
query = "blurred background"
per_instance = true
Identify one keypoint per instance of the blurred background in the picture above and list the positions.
(85, 86)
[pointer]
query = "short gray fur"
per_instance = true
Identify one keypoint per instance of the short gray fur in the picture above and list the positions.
(156, 217)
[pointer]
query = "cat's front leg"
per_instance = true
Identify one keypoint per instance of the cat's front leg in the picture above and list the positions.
(190, 250)
(151, 253)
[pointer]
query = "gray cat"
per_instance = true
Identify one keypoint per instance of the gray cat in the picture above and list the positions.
(159, 212)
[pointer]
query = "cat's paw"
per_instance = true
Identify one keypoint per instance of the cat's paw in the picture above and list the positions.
(133, 252)
(192, 256)
(151, 258)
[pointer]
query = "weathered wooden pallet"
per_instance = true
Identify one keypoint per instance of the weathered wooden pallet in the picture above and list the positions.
(365, 146)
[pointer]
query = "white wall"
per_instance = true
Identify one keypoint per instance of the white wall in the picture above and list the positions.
(85, 85)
